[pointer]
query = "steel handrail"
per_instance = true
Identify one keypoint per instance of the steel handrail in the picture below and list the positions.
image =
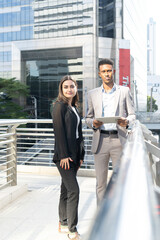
(128, 211)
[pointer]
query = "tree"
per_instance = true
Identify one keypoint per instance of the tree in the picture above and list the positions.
(10, 92)
(154, 105)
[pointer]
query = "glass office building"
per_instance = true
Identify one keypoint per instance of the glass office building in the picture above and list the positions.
(106, 18)
(43, 40)
(25, 24)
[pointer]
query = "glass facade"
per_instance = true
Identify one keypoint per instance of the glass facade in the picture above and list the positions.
(43, 40)
(106, 18)
(62, 18)
(5, 56)
(17, 22)
(44, 70)
(23, 20)
(13, 3)
(38, 19)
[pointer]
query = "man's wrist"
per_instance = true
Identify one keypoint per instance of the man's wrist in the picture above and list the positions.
(127, 124)
(93, 127)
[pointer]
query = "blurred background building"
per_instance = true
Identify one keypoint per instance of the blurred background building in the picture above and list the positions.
(41, 41)
(153, 80)
(151, 47)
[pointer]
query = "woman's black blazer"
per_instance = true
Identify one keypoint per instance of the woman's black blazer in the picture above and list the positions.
(64, 125)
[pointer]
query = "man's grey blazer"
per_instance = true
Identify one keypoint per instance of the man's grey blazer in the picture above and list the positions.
(124, 107)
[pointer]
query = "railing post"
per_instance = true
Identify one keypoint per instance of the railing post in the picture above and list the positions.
(155, 170)
(158, 173)
(12, 157)
(152, 166)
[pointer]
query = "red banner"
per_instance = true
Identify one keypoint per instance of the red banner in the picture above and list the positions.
(124, 67)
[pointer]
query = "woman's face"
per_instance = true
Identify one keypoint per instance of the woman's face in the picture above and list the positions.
(69, 89)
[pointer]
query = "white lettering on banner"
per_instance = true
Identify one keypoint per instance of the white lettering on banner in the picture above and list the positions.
(125, 81)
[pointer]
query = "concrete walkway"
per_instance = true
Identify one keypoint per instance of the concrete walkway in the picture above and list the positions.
(34, 215)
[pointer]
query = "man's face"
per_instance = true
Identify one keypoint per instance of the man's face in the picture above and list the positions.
(106, 73)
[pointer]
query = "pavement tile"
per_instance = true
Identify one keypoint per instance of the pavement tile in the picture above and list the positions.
(34, 215)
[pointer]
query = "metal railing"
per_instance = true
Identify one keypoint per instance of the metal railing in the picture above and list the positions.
(31, 142)
(128, 210)
(35, 146)
(8, 164)
(148, 117)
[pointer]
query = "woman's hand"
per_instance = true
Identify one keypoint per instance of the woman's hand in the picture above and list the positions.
(64, 163)
(81, 161)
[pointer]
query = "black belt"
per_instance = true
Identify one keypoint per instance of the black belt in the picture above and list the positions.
(109, 132)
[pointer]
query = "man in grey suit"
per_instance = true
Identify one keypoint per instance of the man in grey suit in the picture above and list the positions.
(108, 100)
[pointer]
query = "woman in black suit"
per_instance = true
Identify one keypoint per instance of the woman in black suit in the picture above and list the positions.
(68, 154)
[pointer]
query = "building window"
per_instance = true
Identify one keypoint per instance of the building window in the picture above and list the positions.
(5, 56)
(106, 18)
(44, 70)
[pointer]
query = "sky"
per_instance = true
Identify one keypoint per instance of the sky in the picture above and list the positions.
(153, 10)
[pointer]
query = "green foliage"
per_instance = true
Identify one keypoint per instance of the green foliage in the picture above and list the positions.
(154, 105)
(13, 88)
(10, 91)
(9, 109)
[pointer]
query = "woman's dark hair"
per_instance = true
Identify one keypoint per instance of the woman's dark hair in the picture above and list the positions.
(61, 97)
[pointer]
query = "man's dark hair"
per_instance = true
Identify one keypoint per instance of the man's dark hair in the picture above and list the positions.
(105, 61)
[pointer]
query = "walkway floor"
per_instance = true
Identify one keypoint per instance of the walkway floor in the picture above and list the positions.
(34, 215)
